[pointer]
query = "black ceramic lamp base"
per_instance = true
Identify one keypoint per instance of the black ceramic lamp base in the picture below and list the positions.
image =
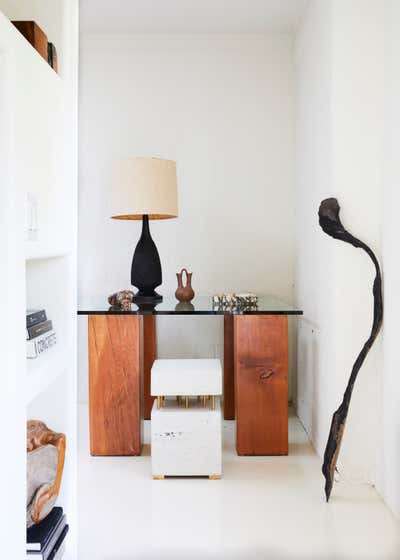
(146, 272)
(143, 300)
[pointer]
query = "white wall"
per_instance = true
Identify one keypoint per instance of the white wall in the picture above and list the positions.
(221, 106)
(339, 71)
(389, 483)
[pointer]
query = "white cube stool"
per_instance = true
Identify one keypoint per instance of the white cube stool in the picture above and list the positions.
(186, 441)
(186, 377)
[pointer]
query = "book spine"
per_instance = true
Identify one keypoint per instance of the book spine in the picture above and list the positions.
(38, 329)
(35, 317)
(40, 344)
(38, 536)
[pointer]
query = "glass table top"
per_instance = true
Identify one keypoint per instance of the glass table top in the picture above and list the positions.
(200, 305)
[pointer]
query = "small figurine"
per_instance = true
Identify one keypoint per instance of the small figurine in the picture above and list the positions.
(184, 293)
(121, 300)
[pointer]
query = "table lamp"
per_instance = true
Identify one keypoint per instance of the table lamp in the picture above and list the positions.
(145, 189)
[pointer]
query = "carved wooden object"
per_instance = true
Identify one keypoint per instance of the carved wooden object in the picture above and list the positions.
(261, 382)
(115, 384)
(330, 223)
(39, 436)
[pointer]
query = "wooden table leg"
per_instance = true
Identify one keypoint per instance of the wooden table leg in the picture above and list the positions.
(150, 354)
(115, 384)
(261, 383)
(229, 379)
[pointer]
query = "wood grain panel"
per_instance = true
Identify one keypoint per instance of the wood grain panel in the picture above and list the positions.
(229, 383)
(115, 384)
(150, 354)
(261, 383)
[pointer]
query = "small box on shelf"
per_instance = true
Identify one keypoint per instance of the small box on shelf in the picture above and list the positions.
(38, 39)
(34, 35)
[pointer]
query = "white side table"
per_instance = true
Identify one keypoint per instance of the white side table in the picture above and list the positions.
(186, 377)
(186, 441)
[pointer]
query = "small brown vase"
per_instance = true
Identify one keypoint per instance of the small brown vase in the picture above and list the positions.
(184, 293)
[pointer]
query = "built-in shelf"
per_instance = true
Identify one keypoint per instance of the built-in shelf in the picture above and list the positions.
(38, 145)
(42, 371)
(35, 251)
(30, 52)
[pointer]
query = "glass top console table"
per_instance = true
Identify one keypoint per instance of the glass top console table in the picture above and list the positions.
(200, 305)
(122, 348)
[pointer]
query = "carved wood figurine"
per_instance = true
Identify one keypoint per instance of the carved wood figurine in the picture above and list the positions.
(45, 464)
(330, 223)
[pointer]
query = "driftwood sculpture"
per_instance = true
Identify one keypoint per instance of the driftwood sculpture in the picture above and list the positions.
(330, 222)
(45, 464)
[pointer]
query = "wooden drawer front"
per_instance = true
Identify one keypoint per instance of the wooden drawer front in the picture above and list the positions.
(115, 384)
(261, 384)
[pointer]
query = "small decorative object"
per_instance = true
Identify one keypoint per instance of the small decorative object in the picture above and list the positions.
(245, 301)
(45, 464)
(145, 189)
(184, 292)
(330, 223)
(121, 300)
(31, 217)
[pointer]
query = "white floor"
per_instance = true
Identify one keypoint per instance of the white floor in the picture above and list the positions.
(263, 508)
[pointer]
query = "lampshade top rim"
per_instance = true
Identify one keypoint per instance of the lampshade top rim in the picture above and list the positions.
(151, 216)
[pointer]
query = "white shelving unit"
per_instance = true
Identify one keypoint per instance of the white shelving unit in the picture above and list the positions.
(38, 146)
(42, 372)
(35, 251)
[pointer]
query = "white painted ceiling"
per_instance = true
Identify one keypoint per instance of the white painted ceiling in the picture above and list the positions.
(190, 16)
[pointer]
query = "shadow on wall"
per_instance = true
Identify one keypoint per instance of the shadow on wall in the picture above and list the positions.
(306, 384)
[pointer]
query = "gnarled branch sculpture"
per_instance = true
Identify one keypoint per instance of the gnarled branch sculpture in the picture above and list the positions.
(330, 223)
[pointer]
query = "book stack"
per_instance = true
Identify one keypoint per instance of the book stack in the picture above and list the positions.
(46, 540)
(40, 335)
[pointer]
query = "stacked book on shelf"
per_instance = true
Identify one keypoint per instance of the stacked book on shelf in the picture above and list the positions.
(40, 335)
(46, 540)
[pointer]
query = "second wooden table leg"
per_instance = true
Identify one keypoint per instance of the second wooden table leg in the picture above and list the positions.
(150, 354)
(229, 378)
(261, 383)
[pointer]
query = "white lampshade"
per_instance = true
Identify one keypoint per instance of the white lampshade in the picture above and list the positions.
(144, 186)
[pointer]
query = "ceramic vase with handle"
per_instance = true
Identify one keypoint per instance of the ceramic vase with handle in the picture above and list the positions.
(184, 292)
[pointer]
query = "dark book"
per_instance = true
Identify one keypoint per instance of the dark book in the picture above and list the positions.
(34, 34)
(38, 536)
(52, 56)
(35, 316)
(47, 552)
(38, 329)
(57, 552)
